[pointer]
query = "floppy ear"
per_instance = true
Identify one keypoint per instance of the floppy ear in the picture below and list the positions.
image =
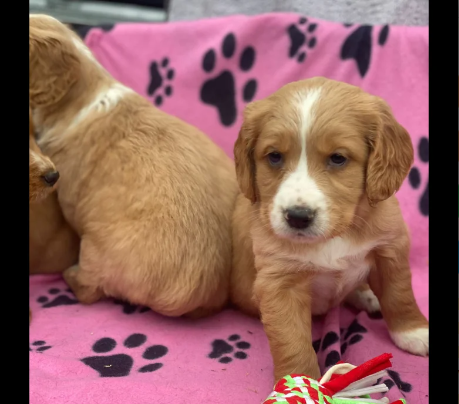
(390, 158)
(53, 66)
(244, 149)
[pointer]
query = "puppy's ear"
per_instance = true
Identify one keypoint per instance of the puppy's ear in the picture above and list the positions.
(391, 156)
(53, 66)
(244, 149)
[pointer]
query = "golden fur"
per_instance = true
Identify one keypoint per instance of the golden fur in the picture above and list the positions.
(288, 276)
(53, 245)
(39, 166)
(42, 257)
(150, 196)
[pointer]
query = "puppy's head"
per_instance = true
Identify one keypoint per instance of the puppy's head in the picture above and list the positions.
(42, 172)
(311, 152)
(54, 63)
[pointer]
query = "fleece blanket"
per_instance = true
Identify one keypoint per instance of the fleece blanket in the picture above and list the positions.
(205, 72)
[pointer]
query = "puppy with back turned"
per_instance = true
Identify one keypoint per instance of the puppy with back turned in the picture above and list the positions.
(150, 196)
(318, 163)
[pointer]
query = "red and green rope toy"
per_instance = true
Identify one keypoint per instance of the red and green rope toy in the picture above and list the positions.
(341, 384)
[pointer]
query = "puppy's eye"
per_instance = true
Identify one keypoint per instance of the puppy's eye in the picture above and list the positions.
(337, 160)
(275, 159)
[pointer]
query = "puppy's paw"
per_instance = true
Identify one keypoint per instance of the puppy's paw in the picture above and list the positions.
(364, 299)
(413, 341)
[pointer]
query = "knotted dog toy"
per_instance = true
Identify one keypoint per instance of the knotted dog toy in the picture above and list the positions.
(341, 384)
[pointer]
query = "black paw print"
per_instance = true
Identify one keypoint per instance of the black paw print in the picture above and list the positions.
(302, 38)
(120, 365)
(129, 308)
(414, 177)
(220, 348)
(160, 76)
(351, 336)
(220, 91)
(62, 298)
(322, 344)
(358, 46)
(396, 380)
(39, 346)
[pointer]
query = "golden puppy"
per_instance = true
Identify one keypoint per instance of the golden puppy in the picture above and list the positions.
(150, 196)
(318, 163)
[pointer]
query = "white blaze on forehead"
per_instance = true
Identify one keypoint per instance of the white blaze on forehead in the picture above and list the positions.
(299, 188)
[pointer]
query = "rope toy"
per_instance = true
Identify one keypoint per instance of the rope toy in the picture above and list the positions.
(341, 384)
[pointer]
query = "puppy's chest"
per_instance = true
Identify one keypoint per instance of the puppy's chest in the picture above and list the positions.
(338, 266)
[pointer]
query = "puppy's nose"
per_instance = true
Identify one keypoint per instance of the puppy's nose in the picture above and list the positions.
(299, 218)
(51, 178)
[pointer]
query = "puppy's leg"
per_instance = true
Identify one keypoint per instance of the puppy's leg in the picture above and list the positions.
(363, 298)
(83, 290)
(391, 282)
(285, 307)
(242, 280)
(30, 315)
(243, 273)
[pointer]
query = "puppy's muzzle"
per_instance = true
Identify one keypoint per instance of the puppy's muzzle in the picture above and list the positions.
(50, 178)
(299, 218)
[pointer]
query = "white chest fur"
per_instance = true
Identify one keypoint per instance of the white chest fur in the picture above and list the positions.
(339, 266)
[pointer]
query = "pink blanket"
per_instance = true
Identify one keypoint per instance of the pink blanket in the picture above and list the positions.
(205, 72)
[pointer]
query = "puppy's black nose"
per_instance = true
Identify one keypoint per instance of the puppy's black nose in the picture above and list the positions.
(51, 178)
(299, 218)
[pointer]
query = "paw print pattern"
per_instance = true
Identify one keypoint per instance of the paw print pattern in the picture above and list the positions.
(160, 77)
(129, 308)
(414, 177)
(302, 39)
(120, 365)
(220, 91)
(358, 46)
(39, 346)
(221, 348)
(323, 344)
(57, 298)
(351, 336)
(396, 380)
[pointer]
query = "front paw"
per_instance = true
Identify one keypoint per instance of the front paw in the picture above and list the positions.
(414, 341)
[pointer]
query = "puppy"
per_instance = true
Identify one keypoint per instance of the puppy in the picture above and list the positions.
(318, 163)
(42, 174)
(150, 196)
